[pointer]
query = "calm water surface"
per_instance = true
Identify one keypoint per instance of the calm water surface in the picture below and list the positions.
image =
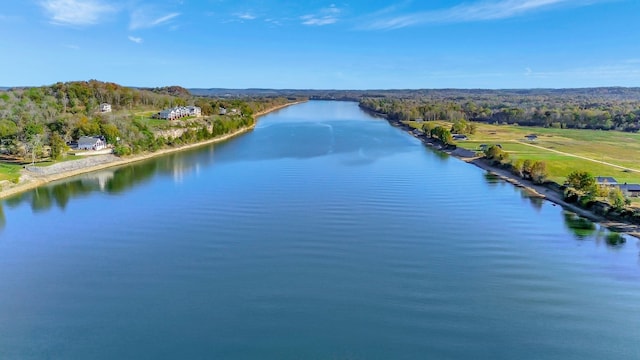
(322, 234)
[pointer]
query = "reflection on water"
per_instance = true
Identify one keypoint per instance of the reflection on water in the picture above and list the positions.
(355, 142)
(584, 229)
(492, 179)
(536, 201)
(110, 181)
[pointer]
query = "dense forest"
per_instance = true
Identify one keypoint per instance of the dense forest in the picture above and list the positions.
(39, 122)
(598, 108)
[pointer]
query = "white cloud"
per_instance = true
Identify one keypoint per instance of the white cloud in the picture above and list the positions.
(478, 11)
(77, 12)
(137, 40)
(326, 16)
(144, 18)
(273, 22)
(245, 16)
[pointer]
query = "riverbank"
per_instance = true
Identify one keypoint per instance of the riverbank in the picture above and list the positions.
(535, 190)
(30, 180)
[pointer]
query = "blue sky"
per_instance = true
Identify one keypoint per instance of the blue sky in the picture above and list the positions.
(351, 44)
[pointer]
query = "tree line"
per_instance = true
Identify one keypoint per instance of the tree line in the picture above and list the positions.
(600, 108)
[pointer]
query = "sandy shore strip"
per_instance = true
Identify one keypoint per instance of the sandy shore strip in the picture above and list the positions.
(29, 180)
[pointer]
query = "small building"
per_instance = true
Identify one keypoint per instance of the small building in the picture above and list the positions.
(531, 137)
(631, 190)
(168, 114)
(606, 180)
(91, 143)
(179, 112)
(194, 111)
(105, 108)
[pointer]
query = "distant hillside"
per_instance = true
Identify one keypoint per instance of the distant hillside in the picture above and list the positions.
(612, 93)
(170, 90)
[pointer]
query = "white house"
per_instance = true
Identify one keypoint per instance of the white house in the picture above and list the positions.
(179, 112)
(91, 143)
(105, 108)
(168, 114)
(194, 111)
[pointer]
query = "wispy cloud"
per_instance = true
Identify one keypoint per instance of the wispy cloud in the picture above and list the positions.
(326, 16)
(145, 18)
(478, 11)
(245, 16)
(274, 22)
(137, 40)
(77, 12)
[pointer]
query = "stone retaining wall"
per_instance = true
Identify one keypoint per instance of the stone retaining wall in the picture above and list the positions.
(68, 166)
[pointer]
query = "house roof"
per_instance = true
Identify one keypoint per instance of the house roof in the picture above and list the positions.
(606, 179)
(630, 187)
(88, 140)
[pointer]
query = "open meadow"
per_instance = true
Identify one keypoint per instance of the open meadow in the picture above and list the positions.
(602, 153)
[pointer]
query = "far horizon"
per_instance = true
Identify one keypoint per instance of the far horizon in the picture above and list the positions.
(6, 87)
(322, 45)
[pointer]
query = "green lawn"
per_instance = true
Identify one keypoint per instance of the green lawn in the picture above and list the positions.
(614, 147)
(66, 158)
(10, 172)
(146, 117)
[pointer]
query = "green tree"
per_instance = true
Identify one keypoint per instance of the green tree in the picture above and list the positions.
(616, 198)
(84, 126)
(110, 132)
(58, 146)
(539, 172)
(459, 127)
(7, 128)
(495, 152)
(427, 127)
(517, 167)
(581, 181)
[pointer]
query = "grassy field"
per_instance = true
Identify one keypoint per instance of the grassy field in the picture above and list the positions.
(146, 118)
(612, 147)
(10, 172)
(66, 158)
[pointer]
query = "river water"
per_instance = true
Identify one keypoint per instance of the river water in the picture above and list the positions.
(322, 234)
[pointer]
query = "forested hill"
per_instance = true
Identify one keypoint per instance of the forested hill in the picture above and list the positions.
(86, 96)
(37, 122)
